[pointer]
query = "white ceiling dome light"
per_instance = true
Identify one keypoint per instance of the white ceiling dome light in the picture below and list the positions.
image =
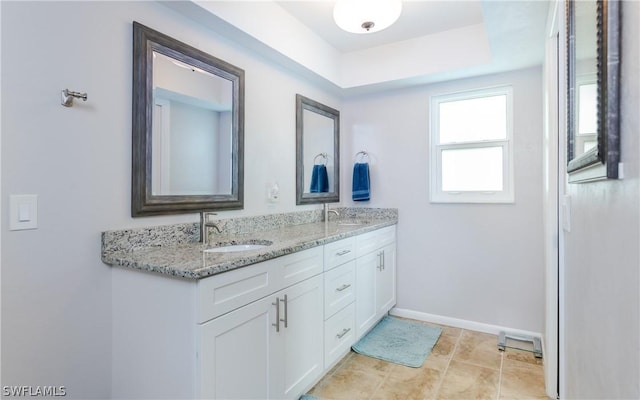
(366, 16)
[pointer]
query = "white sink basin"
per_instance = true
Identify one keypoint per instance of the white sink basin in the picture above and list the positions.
(229, 248)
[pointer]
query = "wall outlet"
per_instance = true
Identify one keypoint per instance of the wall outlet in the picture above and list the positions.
(273, 192)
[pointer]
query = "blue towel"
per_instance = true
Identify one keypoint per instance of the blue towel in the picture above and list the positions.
(319, 179)
(361, 185)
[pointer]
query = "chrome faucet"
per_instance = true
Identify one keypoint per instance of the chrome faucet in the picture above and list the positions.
(327, 211)
(204, 224)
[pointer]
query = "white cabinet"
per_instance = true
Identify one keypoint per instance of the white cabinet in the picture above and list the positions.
(386, 280)
(222, 293)
(366, 310)
(217, 337)
(339, 297)
(339, 288)
(266, 349)
(339, 252)
(235, 353)
(268, 330)
(375, 277)
(299, 359)
(339, 335)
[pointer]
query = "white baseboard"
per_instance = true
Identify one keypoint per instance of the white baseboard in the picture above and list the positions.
(461, 323)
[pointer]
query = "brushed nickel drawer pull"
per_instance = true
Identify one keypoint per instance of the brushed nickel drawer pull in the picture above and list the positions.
(344, 332)
(343, 287)
(343, 252)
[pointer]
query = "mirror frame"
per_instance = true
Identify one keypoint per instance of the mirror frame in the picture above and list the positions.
(305, 103)
(143, 202)
(601, 162)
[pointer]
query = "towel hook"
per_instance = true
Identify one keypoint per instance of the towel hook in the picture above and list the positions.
(324, 156)
(67, 97)
(363, 154)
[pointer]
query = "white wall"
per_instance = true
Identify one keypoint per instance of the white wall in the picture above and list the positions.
(56, 293)
(480, 263)
(602, 279)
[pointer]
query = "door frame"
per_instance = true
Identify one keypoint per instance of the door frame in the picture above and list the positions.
(554, 173)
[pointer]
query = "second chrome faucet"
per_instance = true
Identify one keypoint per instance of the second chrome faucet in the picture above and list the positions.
(327, 211)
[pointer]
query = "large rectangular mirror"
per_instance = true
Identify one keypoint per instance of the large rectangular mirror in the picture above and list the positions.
(187, 128)
(317, 152)
(593, 62)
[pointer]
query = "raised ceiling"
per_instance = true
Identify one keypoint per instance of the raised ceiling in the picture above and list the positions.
(432, 40)
(418, 18)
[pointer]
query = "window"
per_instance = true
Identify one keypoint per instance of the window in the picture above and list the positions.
(471, 147)
(587, 104)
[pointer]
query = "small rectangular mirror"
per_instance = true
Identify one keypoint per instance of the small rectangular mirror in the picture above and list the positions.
(317, 152)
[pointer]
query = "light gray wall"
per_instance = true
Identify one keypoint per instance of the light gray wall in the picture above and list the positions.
(476, 262)
(602, 304)
(56, 293)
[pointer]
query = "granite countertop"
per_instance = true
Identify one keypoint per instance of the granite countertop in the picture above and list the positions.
(188, 259)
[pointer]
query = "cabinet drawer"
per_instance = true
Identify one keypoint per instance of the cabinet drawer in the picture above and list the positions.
(222, 293)
(371, 241)
(339, 335)
(338, 253)
(299, 266)
(339, 288)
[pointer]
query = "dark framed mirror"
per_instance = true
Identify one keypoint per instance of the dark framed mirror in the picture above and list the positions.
(317, 152)
(593, 69)
(188, 128)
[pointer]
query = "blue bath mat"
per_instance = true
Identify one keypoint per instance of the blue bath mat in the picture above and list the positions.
(399, 341)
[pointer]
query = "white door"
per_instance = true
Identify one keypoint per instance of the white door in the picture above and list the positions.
(554, 172)
(301, 333)
(235, 353)
(366, 270)
(386, 280)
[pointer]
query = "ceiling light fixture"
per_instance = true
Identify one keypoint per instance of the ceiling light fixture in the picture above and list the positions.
(366, 16)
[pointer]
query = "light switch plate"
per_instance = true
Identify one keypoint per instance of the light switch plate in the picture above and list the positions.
(23, 212)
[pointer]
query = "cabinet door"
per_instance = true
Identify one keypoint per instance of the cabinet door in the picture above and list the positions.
(366, 310)
(301, 333)
(236, 353)
(386, 280)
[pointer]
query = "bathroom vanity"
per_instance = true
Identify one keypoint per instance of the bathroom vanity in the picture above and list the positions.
(261, 323)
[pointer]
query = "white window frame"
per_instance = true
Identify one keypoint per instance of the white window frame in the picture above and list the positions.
(580, 137)
(437, 195)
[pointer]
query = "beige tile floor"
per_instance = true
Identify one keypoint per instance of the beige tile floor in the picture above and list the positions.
(463, 365)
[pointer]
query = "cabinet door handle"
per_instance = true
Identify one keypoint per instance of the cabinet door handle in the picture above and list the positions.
(343, 287)
(344, 332)
(379, 266)
(343, 252)
(277, 324)
(286, 314)
(382, 258)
